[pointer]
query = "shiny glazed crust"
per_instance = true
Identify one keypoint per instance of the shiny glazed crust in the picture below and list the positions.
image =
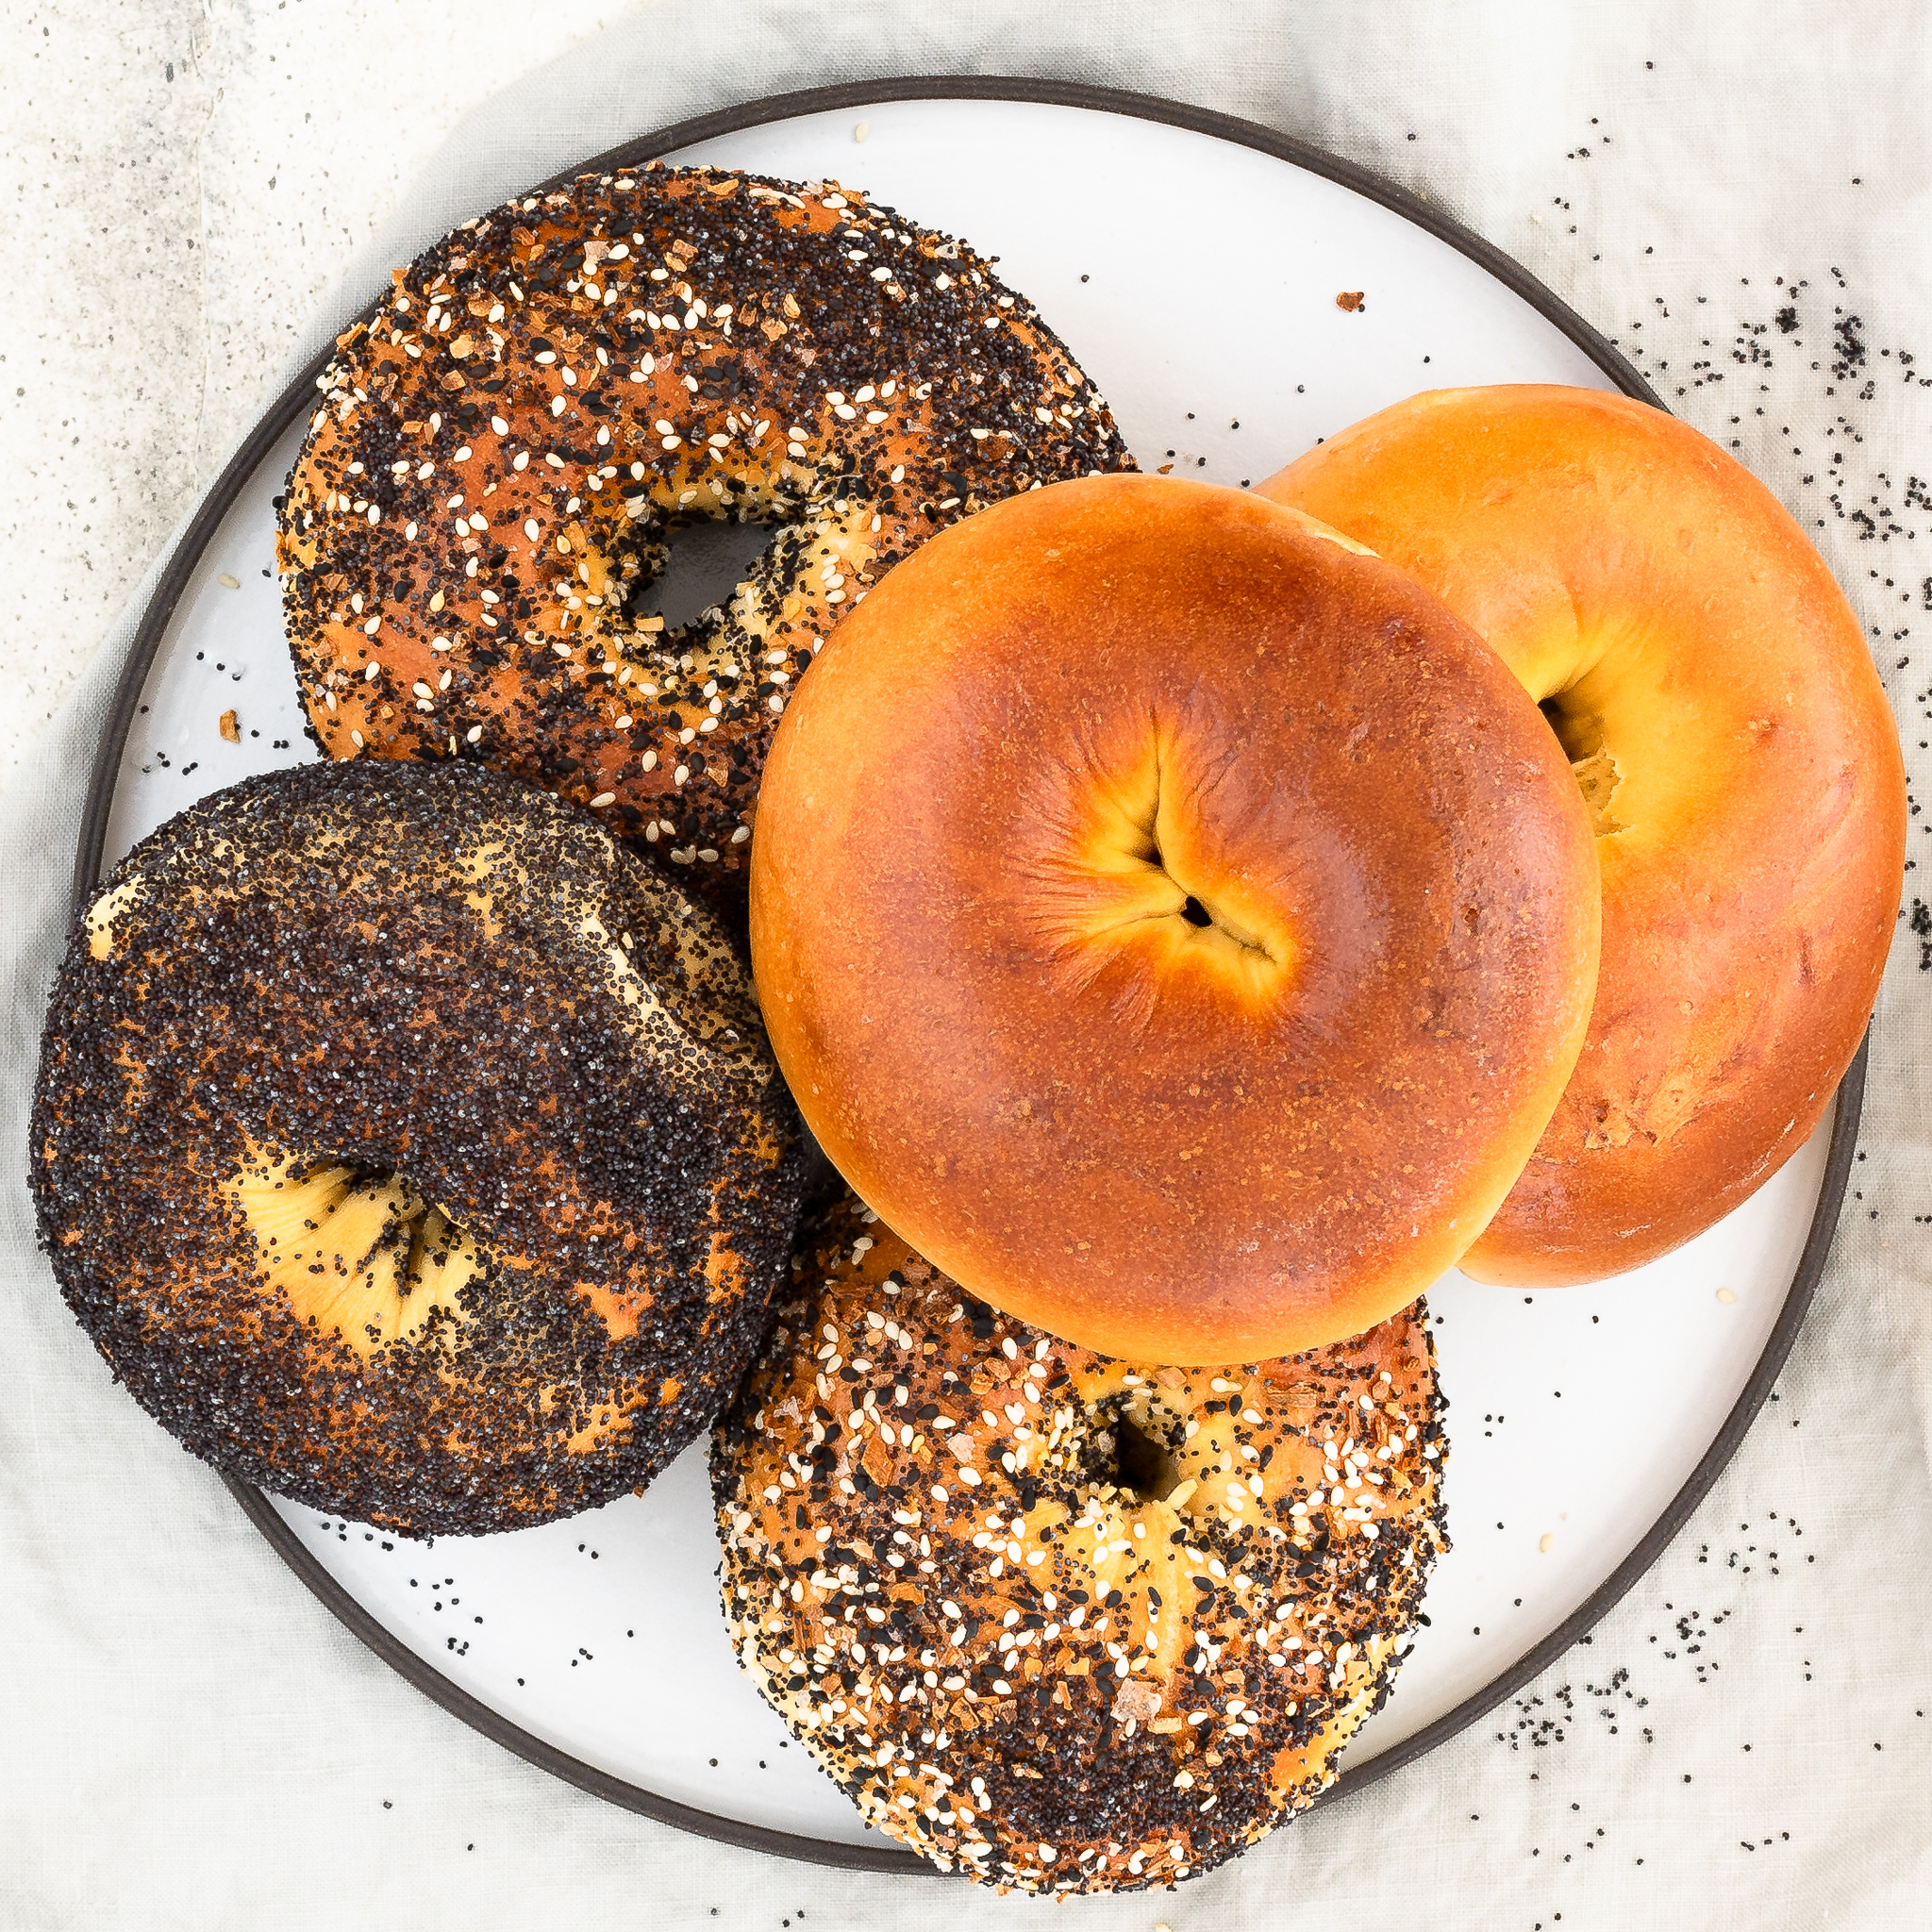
(497, 460)
(1020, 1668)
(1710, 683)
(410, 1150)
(1058, 739)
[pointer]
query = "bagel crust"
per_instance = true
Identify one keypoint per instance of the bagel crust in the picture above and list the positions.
(1055, 1621)
(1173, 922)
(1712, 687)
(409, 1149)
(501, 454)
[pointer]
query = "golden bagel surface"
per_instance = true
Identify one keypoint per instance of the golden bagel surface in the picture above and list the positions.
(1173, 923)
(1060, 1622)
(1710, 683)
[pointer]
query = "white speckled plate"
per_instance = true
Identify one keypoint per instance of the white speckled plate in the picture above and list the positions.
(1580, 1437)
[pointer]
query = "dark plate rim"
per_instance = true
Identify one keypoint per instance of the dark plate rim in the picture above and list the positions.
(172, 584)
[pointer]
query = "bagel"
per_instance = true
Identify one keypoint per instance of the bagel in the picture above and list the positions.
(410, 1150)
(1173, 923)
(1055, 1621)
(503, 450)
(1710, 686)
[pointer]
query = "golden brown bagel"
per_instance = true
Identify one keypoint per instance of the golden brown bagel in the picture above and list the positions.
(1174, 923)
(1709, 682)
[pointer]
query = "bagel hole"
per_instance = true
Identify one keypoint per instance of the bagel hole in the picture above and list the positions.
(406, 1232)
(706, 558)
(1580, 732)
(357, 1247)
(1142, 1464)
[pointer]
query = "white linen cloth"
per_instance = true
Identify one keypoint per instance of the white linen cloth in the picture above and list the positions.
(187, 1738)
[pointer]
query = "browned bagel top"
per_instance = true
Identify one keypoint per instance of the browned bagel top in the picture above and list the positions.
(1178, 925)
(1712, 686)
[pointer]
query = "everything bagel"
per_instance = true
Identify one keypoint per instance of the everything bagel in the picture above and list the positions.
(1060, 1621)
(499, 455)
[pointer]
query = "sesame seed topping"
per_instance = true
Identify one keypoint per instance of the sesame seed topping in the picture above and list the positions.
(755, 334)
(1022, 1656)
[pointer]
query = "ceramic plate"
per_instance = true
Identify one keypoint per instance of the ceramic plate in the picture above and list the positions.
(1193, 264)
